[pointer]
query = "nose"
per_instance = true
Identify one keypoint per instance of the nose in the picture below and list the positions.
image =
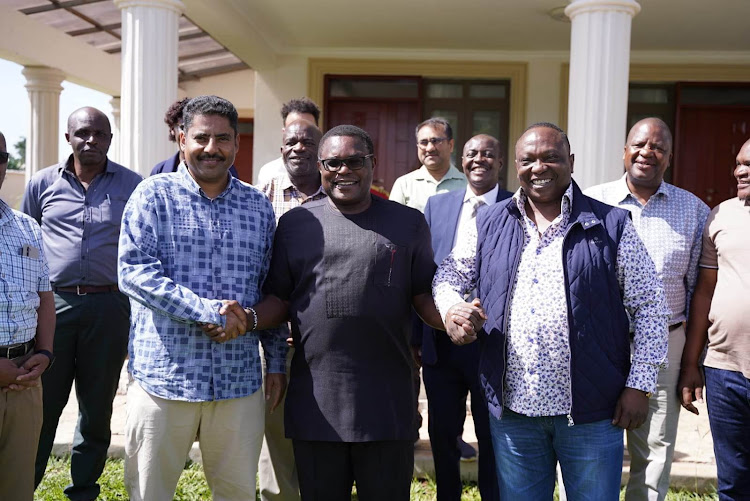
(211, 146)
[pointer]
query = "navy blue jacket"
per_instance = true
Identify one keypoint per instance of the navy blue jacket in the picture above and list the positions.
(598, 323)
(442, 213)
(171, 164)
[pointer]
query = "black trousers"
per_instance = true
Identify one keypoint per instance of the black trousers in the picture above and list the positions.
(91, 343)
(327, 470)
(447, 383)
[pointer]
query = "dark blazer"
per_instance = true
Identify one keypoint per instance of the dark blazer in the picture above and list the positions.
(172, 163)
(442, 213)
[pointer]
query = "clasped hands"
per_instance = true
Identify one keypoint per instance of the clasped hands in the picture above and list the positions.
(28, 375)
(236, 323)
(463, 321)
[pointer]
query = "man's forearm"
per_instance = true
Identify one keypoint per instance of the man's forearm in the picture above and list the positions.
(45, 324)
(698, 323)
(425, 308)
(272, 311)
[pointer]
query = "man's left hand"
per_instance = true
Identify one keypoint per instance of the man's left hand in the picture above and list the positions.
(36, 365)
(631, 410)
(275, 389)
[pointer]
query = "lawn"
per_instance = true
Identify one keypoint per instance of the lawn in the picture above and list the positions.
(193, 487)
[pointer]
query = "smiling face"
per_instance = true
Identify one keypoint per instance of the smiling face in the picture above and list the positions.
(544, 165)
(300, 149)
(209, 145)
(436, 156)
(89, 135)
(647, 154)
(482, 163)
(742, 173)
(349, 190)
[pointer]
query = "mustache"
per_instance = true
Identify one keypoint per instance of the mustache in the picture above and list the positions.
(211, 157)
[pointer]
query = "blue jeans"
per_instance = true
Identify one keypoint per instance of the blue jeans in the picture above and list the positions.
(728, 401)
(528, 448)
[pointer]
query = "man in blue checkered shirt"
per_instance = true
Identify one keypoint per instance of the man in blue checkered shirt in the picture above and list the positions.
(190, 242)
(27, 327)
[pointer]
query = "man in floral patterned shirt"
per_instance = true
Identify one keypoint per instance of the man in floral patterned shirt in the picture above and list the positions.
(555, 349)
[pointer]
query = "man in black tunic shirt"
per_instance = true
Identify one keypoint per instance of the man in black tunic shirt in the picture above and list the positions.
(349, 268)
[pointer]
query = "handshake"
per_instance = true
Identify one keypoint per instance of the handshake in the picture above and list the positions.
(463, 321)
(236, 324)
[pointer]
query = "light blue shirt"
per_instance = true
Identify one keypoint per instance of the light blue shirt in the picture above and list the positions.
(181, 253)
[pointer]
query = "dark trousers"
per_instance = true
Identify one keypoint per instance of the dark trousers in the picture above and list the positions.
(327, 470)
(447, 383)
(91, 343)
(728, 401)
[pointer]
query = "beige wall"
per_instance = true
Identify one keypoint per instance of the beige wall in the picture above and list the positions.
(238, 87)
(13, 186)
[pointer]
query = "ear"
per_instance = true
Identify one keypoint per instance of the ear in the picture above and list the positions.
(181, 140)
(572, 160)
(451, 143)
(67, 137)
(374, 163)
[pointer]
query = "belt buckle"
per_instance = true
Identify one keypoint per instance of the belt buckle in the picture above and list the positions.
(78, 291)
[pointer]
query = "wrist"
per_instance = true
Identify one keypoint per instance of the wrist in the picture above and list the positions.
(251, 314)
(48, 354)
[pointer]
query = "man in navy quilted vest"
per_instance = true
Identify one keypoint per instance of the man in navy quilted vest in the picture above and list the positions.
(561, 278)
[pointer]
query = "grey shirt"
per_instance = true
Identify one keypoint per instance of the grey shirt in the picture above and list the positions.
(80, 227)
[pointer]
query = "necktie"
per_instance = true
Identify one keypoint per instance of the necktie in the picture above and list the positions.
(476, 204)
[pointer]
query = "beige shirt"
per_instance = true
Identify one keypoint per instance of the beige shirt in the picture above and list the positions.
(726, 246)
(413, 189)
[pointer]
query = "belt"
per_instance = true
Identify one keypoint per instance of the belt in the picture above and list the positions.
(82, 290)
(675, 326)
(17, 350)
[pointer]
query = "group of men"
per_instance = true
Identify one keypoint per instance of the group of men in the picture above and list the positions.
(577, 301)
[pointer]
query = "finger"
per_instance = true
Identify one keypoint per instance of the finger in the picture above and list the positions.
(34, 374)
(699, 393)
(618, 414)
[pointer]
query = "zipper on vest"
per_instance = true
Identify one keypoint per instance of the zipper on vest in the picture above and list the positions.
(570, 345)
(507, 309)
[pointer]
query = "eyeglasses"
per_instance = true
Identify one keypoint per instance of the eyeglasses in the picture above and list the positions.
(434, 140)
(353, 163)
(4, 155)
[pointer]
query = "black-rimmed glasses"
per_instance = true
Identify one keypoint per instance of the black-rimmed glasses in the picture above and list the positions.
(353, 163)
(4, 155)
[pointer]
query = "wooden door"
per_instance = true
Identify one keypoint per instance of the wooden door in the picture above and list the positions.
(391, 125)
(243, 162)
(708, 140)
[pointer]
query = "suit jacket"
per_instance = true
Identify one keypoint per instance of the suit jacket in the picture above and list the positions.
(442, 213)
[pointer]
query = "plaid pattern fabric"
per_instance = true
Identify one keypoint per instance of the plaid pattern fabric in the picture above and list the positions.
(284, 196)
(21, 277)
(180, 254)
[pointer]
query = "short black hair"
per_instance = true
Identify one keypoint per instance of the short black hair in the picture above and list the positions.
(349, 131)
(209, 105)
(437, 122)
(301, 105)
(550, 125)
(173, 117)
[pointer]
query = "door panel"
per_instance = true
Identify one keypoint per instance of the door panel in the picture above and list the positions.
(707, 143)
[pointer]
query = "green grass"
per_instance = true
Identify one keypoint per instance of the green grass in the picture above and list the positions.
(192, 485)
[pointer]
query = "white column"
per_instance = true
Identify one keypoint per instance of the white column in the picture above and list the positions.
(598, 95)
(114, 148)
(44, 87)
(149, 79)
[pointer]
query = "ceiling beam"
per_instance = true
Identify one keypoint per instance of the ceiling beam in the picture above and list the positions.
(94, 29)
(56, 5)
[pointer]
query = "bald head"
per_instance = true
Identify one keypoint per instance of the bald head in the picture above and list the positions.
(482, 162)
(3, 146)
(299, 149)
(656, 124)
(647, 154)
(4, 159)
(90, 135)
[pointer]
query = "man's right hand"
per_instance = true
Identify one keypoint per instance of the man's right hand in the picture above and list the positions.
(690, 387)
(9, 372)
(463, 321)
(236, 323)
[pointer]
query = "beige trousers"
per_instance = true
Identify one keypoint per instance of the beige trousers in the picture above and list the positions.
(20, 425)
(159, 434)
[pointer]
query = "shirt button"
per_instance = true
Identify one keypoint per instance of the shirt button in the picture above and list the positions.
(536, 281)
(533, 310)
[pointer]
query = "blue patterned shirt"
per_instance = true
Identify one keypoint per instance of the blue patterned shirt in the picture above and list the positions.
(670, 225)
(181, 253)
(21, 277)
(537, 376)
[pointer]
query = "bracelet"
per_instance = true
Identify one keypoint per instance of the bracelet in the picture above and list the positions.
(250, 309)
(47, 354)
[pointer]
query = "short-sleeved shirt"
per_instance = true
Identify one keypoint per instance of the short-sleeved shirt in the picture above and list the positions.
(413, 189)
(726, 246)
(23, 274)
(80, 227)
(350, 281)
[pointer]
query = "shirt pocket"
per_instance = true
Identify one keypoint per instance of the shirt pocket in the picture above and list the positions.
(390, 263)
(23, 272)
(111, 209)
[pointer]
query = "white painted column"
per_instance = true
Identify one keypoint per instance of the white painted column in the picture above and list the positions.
(114, 148)
(44, 87)
(598, 95)
(149, 79)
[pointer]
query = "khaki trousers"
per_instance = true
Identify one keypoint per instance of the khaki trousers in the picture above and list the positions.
(20, 424)
(159, 434)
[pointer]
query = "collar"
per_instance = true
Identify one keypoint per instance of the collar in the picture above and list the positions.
(489, 198)
(6, 213)
(622, 191)
(285, 183)
(67, 165)
(566, 203)
(423, 174)
(191, 184)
